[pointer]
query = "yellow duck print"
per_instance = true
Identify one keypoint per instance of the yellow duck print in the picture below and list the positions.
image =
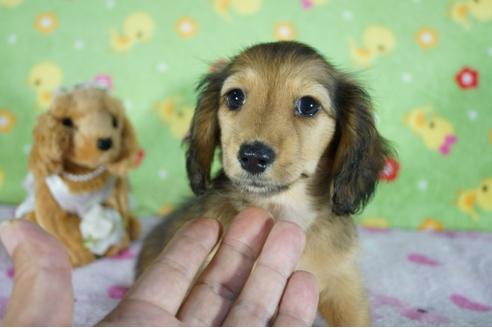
(240, 7)
(176, 116)
(137, 27)
(120, 42)
(10, 3)
(481, 197)
(375, 223)
(481, 10)
(377, 41)
(437, 132)
(44, 78)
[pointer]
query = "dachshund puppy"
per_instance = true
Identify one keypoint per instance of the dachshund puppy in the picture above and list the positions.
(84, 143)
(297, 138)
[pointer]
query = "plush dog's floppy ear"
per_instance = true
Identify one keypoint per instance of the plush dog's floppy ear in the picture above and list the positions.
(51, 140)
(129, 144)
(204, 131)
(360, 151)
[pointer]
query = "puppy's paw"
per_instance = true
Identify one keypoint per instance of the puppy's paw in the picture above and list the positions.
(134, 228)
(80, 257)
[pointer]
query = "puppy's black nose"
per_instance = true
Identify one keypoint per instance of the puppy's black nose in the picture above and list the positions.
(104, 144)
(255, 157)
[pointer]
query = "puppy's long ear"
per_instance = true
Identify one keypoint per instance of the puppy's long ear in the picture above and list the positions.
(204, 131)
(360, 151)
(51, 140)
(129, 144)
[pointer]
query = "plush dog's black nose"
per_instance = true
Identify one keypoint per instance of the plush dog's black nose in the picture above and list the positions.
(255, 157)
(104, 144)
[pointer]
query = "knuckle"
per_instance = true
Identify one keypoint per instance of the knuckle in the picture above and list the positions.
(254, 312)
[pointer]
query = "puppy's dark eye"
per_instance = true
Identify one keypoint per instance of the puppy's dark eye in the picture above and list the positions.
(307, 106)
(114, 122)
(67, 121)
(235, 99)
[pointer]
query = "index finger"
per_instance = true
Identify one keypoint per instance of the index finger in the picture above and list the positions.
(166, 283)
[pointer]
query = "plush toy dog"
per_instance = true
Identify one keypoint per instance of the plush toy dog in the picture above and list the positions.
(84, 146)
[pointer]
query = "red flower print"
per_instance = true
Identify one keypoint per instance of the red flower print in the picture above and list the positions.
(217, 65)
(139, 156)
(467, 78)
(390, 170)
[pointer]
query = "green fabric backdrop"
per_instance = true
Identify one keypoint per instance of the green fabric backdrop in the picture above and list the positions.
(427, 64)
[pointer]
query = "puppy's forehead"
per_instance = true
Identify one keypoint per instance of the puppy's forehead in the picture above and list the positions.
(283, 66)
(294, 75)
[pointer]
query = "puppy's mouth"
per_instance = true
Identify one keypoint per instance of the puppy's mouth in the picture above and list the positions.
(263, 187)
(258, 188)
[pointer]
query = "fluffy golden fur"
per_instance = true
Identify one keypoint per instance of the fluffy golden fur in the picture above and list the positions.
(325, 169)
(65, 141)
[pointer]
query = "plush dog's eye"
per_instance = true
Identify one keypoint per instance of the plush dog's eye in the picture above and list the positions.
(307, 106)
(114, 122)
(235, 99)
(67, 121)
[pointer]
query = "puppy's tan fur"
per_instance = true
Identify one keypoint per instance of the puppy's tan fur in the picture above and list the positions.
(58, 148)
(325, 169)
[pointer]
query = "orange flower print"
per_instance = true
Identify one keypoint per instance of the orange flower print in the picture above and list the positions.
(46, 23)
(186, 27)
(7, 120)
(426, 38)
(284, 31)
(430, 224)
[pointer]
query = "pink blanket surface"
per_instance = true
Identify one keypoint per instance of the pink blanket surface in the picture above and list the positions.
(412, 278)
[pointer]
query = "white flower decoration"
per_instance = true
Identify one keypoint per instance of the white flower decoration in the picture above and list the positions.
(101, 227)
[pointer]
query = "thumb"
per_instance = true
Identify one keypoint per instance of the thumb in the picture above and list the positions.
(42, 293)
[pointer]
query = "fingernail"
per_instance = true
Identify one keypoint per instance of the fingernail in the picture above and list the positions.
(4, 224)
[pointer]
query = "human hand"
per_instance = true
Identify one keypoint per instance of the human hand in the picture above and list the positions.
(42, 293)
(228, 291)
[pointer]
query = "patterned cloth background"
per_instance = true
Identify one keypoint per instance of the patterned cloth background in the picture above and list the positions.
(427, 64)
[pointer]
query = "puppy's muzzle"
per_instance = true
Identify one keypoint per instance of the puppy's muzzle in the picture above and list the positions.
(255, 157)
(104, 144)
